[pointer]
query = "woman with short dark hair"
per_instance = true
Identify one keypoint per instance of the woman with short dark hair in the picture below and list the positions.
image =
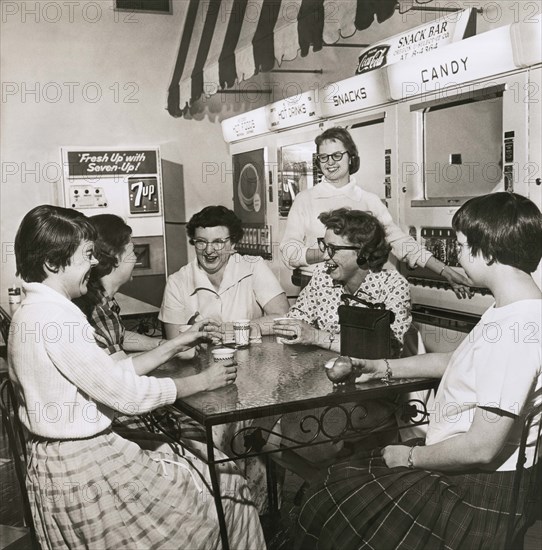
(220, 283)
(114, 251)
(88, 487)
(456, 491)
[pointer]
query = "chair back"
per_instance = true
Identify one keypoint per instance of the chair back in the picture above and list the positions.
(5, 322)
(17, 445)
(532, 502)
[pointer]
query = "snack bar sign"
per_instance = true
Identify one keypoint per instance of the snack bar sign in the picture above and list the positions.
(111, 163)
(419, 40)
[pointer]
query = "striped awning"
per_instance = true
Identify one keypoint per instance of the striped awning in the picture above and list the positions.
(228, 41)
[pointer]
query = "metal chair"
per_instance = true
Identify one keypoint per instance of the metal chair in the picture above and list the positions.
(531, 505)
(17, 444)
(5, 322)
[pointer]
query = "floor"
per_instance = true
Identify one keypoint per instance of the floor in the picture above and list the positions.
(278, 537)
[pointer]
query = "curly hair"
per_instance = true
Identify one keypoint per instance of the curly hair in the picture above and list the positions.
(49, 234)
(363, 229)
(214, 216)
(504, 227)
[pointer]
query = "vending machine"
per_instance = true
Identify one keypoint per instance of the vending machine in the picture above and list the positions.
(439, 115)
(126, 182)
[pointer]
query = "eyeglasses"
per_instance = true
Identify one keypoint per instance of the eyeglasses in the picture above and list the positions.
(202, 244)
(331, 248)
(323, 157)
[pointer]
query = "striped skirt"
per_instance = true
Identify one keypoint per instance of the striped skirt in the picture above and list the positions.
(362, 503)
(107, 493)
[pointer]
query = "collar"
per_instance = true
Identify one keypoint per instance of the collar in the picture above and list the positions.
(38, 293)
(236, 270)
(325, 190)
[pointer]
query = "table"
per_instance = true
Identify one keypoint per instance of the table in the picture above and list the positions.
(274, 379)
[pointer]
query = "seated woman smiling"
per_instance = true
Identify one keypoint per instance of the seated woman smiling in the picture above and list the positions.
(355, 251)
(220, 283)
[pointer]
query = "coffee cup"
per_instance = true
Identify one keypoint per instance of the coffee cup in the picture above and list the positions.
(223, 355)
(241, 330)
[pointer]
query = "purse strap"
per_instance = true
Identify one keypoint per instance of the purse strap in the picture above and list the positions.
(377, 305)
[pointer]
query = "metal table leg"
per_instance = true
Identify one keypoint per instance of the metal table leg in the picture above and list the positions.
(216, 488)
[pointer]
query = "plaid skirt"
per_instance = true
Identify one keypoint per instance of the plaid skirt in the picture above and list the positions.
(254, 469)
(107, 493)
(362, 503)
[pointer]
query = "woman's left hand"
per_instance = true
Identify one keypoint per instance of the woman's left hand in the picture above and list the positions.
(395, 455)
(296, 330)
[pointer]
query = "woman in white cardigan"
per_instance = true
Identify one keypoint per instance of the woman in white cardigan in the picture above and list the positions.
(89, 487)
(338, 161)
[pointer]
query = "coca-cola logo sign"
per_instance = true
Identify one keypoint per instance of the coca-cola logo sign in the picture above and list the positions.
(374, 58)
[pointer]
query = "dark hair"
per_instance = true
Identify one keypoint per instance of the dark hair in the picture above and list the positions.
(504, 227)
(113, 236)
(343, 135)
(49, 234)
(360, 228)
(214, 216)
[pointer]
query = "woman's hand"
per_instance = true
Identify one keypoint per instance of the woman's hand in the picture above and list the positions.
(219, 375)
(206, 330)
(370, 368)
(296, 331)
(460, 283)
(396, 455)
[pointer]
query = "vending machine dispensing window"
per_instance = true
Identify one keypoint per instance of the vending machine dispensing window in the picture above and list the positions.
(462, 146)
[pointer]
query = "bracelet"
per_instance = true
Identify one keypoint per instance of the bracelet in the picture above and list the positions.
(410, 461)
(442, 270)
(389, 374)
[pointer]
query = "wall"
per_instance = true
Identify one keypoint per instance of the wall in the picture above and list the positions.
(80, 74)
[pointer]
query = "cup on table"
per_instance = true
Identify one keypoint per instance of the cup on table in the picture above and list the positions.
(283, 339)
(229, 333)
(241, 331)
(223, 355)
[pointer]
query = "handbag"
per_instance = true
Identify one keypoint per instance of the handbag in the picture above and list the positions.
(365, 331)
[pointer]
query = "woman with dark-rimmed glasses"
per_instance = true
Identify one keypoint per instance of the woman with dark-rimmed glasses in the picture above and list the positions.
(354, 250)
(338, 160)
(219, 282)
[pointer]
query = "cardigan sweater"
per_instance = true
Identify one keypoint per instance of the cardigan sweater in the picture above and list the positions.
(68, 386)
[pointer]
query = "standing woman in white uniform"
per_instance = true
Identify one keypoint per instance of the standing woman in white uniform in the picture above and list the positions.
(338, 160)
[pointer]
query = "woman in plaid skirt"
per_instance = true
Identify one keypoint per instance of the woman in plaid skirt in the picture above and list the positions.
(455, 491)
(88, 487)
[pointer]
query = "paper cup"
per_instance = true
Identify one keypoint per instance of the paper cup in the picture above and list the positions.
(222, 354)
(241, 330)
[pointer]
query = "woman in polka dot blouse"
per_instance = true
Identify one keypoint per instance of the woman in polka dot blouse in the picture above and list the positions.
(355, 250)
